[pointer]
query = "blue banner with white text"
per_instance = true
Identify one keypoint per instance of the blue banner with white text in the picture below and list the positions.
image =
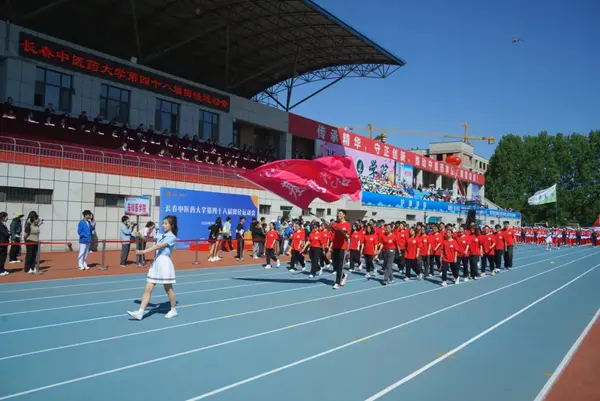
(375, 199)
(198, 210)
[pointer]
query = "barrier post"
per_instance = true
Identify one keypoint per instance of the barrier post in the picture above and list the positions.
(196, 259)
(37, 259)
(102, 265)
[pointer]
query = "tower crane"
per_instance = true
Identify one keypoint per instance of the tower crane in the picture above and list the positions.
(382, 137)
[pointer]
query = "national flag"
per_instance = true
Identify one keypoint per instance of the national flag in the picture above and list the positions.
(300, 181)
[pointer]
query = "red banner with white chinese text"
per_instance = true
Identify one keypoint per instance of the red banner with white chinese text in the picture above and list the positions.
(307, 128)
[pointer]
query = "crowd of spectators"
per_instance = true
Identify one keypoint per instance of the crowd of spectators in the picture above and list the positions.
(138, 139)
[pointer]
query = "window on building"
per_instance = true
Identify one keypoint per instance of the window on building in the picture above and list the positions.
(53, 87)
(208, 126)
(167, 116)
(285, 211)
(109, 200)
(264, 209)
(114, 103)
(306, 212)
(411, 217)
(26, 195)
(320, 213)
(157, 201)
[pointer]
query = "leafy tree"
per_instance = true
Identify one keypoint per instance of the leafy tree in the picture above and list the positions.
(520, 166)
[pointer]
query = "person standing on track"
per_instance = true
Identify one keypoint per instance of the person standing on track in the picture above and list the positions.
(475, 251)
(84, 230)
(315, 250)
(339, 245)
(162, 270)
(4, 239)
(510, 241)
(356, 245)
(488, 244)
(390, 247)
(371, 248)
(464, 243)
(425, 253)
(298, 238)
(239, 238)
(436, 241)
(325, 236)
(271, 243)
(501, 247)
(411, 258)
(449, 257)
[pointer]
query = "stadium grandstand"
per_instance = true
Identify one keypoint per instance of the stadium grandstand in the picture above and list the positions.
(170, 95)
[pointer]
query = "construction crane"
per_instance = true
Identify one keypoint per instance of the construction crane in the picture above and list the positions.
(382, 137)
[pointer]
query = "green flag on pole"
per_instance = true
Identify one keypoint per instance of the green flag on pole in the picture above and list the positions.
(544, 196)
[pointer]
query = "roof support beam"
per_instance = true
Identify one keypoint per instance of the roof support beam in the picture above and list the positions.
(135, 29)
(42, 9)
(315, 93)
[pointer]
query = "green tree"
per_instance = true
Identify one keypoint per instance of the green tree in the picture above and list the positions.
(521, 166)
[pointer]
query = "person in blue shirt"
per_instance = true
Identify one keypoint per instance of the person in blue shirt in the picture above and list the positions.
(162, 270)
(126, 234)
(85, 231)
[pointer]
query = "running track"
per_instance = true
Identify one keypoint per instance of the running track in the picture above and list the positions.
(245, 333)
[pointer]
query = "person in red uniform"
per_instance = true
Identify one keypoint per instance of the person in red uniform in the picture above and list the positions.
(298, 238)
(449, 257)
(339, 245)
(499, 248)
(389, 249)
(510, 241)
(411, 256)
(371, 248)
(271, 244)
(488, 243)
(315, 250)
(401, 233)
(425, 252)
(437, 238)
(463, 251)
(326, 242)
(475, 251)
(357, 241)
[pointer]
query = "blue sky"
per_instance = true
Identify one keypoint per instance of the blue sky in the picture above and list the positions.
(462, 66)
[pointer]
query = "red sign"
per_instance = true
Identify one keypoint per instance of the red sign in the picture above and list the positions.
(66, 57)
(311, 129)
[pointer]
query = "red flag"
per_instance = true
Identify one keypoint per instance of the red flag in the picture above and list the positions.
(597, 222)
(299, 181)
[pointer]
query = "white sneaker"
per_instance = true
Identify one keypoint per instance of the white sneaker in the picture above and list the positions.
(360, 267)
(493, 273)
(328, 266)
(320, 272)
(137, 315)
(278, 263)
(81, 267)
(444, 284)
(406, 279)
(420, 276)
(304, 268)
(311, 276)
(368, 275)
(4, 273)
(457, 280)
(172, 313)
(344, 279)
(210, 259)
(466, 279)
(86, 267)
(267, 266)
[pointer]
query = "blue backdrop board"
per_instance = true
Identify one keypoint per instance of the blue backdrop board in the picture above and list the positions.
(197, 210)
(375, 199)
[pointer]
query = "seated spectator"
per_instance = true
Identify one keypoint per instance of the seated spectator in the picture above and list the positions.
(9, 110)
(124, 147)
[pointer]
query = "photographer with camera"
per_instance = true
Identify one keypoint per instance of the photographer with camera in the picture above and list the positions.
(126, 233)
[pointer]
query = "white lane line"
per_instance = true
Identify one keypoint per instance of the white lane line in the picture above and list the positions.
(566, 360)
(137, 288)
(195, 304)
(231, 270)
(142, 277)
(239, 339)
(164, 295)
(475, 338)
(229, 316)
(117, 275)
(360, 340)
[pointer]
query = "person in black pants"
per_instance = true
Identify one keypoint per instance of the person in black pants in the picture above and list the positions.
(450, 257)
(239, 237)
(510, 243)
(4, 239)
(326, 241)
(16, 228)
(475, 251)
(488, 243)
(341, 233)
(499, 248)
(314, 245)
(463, 253)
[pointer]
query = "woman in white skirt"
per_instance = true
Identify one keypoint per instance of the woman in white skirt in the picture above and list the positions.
(162, 270)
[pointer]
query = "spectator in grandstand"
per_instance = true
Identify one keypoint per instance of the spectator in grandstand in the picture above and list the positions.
(8, 109)
(239, 236)
(4, 239)
(126, 233)
(16, 229)
(32, 238)
(84, 230)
